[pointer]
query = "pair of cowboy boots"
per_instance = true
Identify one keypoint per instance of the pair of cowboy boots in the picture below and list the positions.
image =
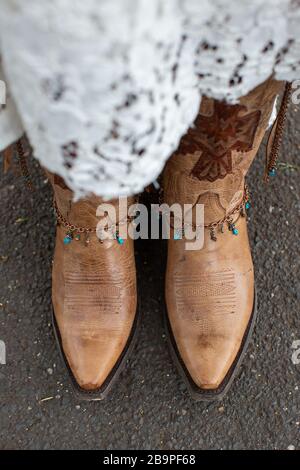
(210, 293)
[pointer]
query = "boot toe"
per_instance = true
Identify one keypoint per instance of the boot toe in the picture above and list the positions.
(210, 360)
(91, 361)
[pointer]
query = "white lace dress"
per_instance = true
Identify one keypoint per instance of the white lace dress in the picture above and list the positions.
(106, 89)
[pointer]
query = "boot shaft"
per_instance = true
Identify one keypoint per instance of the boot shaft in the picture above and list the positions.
(214, 157)
(82, 212)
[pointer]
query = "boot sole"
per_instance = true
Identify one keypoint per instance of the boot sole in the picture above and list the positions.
(197, 393)
(101, 392)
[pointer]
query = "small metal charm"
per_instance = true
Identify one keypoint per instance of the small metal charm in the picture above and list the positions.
(87, 239)
(213, 234)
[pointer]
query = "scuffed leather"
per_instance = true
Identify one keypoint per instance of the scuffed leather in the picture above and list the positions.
(93, 293)
(210, 292)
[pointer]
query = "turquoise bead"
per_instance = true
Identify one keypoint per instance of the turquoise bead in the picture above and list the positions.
(247, 205)
(67, 240)
(120, 240)
(235, 231)
(272, 172)
(177, 236)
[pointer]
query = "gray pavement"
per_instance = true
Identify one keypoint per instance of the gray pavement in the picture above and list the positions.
(149, 407)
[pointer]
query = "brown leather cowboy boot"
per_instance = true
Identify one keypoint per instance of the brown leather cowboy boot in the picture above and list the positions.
(210, 292)
(93, 293)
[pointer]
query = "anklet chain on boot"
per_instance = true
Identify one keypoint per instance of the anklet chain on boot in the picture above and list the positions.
(229, 220)
(74, 232)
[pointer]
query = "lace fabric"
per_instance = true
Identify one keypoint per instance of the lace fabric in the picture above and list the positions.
(105, 90)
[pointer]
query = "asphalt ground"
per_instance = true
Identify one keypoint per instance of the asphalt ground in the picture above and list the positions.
(149, 407)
